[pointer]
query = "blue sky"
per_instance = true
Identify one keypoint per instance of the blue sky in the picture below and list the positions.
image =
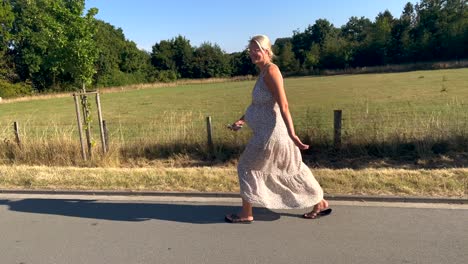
(229, 23)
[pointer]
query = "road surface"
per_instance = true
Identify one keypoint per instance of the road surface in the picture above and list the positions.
(92, 229)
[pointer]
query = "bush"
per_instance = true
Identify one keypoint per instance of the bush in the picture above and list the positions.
(167, 76)
(118, 78)
(9, 90)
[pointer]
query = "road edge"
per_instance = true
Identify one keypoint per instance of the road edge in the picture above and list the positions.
(332, 197)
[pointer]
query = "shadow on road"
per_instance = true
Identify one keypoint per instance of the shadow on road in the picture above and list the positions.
(115, 211)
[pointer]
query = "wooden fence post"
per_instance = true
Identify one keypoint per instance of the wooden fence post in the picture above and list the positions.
(18, 139)
(101, 127)
(80, 126)
(337, 129)
(106, 133)
(86, 114)
(210, 138)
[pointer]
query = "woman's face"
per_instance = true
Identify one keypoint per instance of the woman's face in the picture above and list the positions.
(257, 55)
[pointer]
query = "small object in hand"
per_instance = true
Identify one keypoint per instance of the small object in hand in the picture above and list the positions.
(234, 126)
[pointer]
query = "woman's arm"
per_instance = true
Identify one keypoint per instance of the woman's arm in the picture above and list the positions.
(274, 82)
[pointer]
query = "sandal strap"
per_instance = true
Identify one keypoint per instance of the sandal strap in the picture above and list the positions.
(235, 217)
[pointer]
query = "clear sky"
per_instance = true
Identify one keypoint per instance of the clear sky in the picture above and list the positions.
(230, 23)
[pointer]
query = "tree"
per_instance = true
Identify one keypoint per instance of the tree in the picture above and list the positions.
(120, 62)
(356, 29)
(400, 50)
(285, 55)
(453, 27)
(81, 51)
(53, 43)
(312, 35)
(210, 61)
(381, 37)
(408, 15)
(110, 42)
(335, 53)
(427, 33)
(374, 49)
(132, 59)
(182, 56)
(320, 30)
(173, 55)
(241, 64)
(301, 43)
(312, 57)
(162, 56)
(6, 22)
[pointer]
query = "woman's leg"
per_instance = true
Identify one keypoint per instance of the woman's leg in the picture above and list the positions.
(246, 210)
(246, 214)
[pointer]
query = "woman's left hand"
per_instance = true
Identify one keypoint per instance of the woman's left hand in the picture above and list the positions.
(299, 143)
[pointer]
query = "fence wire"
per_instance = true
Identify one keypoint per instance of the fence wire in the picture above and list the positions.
(180, 127)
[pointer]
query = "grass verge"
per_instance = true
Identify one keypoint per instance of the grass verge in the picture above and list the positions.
(402, 182)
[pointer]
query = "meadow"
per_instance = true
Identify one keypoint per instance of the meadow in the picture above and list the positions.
(413, 116)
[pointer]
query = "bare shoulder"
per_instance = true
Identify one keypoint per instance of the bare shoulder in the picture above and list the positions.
(273, 69)
(273, 79)
(272, 72)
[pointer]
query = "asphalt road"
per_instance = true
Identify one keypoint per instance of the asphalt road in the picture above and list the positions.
(91, 229)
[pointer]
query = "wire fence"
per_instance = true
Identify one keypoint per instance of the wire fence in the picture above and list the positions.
(189, 127)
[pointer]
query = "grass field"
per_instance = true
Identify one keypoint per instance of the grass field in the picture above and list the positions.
(414, 114)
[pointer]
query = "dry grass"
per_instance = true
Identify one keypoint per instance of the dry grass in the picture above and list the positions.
(400, 67)
(440, 182)
(444, 182)
(203, 179)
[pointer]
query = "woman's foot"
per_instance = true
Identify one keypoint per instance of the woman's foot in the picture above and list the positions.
(319, 210)
(239, 218)
(244, 217)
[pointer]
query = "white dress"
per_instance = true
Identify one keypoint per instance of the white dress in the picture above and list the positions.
(271, 172)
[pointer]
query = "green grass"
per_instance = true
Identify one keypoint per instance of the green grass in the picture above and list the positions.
(394, 92)
(421, 107)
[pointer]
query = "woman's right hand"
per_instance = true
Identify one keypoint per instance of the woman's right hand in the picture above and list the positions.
(299, 143)
(236, 125)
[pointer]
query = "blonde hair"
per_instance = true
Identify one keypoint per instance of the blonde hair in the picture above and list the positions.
(264, 43)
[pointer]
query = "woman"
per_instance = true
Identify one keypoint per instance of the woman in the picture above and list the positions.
(271, 172)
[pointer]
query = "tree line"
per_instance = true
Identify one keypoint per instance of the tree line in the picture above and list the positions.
(51, 45)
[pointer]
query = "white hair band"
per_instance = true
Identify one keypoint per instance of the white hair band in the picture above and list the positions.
(259, 45)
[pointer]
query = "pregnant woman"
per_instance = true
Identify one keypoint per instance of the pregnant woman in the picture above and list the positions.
(271, 172)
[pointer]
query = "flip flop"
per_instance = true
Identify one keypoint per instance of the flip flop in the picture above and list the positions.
(322, 213)
(235, 219)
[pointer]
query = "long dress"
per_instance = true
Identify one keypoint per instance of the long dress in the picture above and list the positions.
(271, 172)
